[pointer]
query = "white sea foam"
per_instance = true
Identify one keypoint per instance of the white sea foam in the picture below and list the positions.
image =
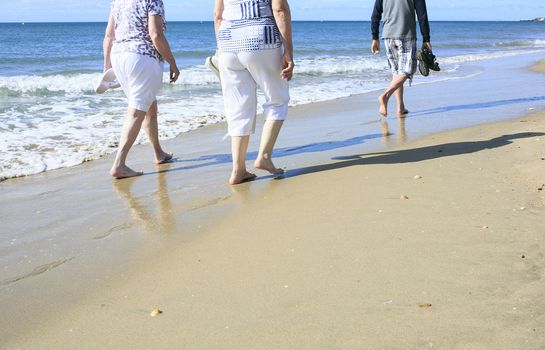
(195, 76)
(340, 65)
(70, 84)
(486, 56)
(521, 43)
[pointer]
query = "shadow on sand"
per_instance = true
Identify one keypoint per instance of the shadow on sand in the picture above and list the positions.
(413, 155)
(480, 105)
(216, 159)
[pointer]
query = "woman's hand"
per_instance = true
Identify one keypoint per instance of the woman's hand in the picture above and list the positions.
(287, 66)
(282, 17)
(160, 43)
(174, 73)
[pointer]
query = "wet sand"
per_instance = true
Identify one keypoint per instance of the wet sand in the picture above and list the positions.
(375, 238)
(539, 67)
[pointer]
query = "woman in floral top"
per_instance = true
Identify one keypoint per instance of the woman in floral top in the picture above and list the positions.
(135, 47)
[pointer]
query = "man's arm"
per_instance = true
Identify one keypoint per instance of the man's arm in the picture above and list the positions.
(422, 13)
(375, 25)
(375, 19)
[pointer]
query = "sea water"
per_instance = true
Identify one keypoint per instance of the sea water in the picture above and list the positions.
(50, 116)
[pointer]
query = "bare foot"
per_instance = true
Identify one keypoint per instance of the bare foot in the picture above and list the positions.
(124, 171)
(237, 178)
(402, 112)
(267, 165)
(383, 102)
(164, 158)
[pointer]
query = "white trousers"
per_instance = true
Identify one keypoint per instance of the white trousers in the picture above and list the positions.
(141, 78)
(241, 73)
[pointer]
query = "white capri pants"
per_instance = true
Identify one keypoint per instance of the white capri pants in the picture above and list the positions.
(140, 76)
(241, 73)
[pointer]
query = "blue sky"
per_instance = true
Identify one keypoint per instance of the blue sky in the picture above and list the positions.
(184, 10)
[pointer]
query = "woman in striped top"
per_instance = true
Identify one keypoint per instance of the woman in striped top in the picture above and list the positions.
(255, 49)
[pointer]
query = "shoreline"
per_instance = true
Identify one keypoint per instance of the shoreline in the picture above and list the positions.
(147, 224)
(8, 175)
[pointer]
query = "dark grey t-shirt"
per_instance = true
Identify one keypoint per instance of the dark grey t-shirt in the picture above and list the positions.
(399, 19)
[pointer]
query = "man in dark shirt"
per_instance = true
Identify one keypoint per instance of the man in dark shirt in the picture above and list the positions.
(399, 35)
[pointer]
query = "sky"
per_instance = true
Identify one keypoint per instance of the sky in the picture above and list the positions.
(201, 10)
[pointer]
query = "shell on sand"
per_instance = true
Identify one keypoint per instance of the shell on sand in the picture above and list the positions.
(417, 177)
(155, 312)
(404, 197)
(484, 227)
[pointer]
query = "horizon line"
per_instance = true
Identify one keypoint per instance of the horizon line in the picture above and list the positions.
(300, 20)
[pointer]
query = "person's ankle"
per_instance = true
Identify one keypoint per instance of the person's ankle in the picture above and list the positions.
(239, 171)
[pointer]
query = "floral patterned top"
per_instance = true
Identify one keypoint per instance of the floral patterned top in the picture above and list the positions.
(131, 26)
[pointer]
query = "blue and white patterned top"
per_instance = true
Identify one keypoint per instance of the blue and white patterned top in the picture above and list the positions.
(131, 26)
(248, 25)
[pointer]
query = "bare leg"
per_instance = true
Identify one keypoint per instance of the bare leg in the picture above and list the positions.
(239, 147)
(130, 131)
(401, 110)
(383, 99)
(152, 130)
(271, 129)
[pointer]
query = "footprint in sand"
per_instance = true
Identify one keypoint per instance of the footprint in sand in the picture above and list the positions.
(209, 203)
(37, 271)
(114, 229)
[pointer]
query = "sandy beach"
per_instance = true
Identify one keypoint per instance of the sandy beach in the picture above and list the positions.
(396, 234)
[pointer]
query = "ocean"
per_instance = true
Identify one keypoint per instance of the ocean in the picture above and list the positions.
(51, 118)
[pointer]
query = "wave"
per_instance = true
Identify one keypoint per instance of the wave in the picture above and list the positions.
(521, 43)
(193, 76)
(485, 56)
(199, 76)
(70, 84)
(339, 65)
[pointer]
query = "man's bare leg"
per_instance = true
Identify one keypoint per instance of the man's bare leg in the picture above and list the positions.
(401, 110)
(152, 131)
(271, 129)
(383, 99)
(130, 131)
(239, 147)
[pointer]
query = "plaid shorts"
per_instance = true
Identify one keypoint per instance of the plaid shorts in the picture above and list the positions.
(401, 55)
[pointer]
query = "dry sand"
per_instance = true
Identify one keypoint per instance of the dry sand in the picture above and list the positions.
(355, 254)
